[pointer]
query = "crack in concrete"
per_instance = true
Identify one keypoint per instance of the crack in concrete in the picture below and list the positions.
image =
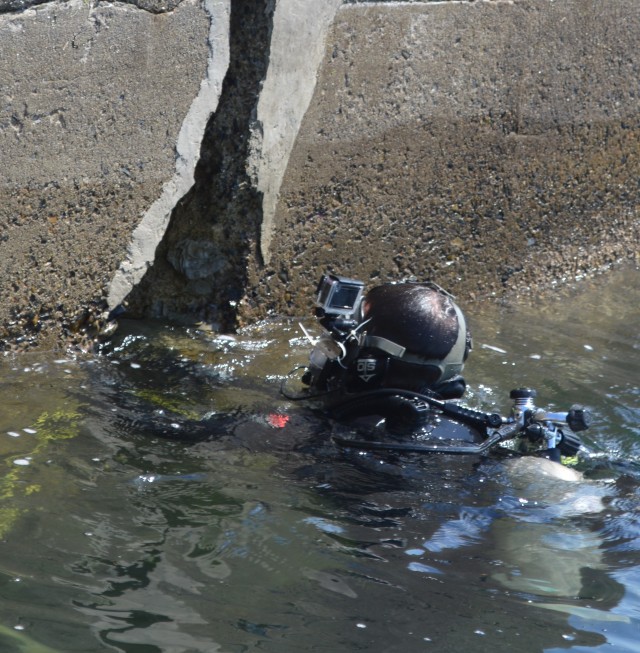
(227, 216)
(200, 265)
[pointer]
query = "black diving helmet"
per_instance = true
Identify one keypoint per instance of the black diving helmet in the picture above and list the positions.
(407, 335)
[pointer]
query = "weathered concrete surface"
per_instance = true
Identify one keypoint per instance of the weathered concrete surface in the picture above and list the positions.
(94, 99)
(200, 270)
(209, 160)
(150, 231)
(491, 146)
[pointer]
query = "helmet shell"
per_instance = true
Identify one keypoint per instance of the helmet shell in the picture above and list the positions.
(419, 327)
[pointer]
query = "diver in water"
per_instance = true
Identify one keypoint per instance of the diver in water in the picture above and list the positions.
(387, 371)
(389, 364)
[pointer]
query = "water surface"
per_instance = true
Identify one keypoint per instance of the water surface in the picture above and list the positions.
(164, 497)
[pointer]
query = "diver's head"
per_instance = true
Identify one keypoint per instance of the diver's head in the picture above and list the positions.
(407, 336)
(413, 334)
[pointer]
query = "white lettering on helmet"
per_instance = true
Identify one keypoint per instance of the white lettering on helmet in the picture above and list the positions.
(366, 368)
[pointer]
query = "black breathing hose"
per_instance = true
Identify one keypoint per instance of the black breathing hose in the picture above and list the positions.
(375, 401)
(361, 405)
(503, 433)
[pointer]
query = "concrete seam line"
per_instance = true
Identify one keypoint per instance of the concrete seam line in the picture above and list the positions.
(297, 50)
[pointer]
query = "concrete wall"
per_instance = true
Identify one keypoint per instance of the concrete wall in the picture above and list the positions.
(208, 160)
(102, 110)
(491, 146)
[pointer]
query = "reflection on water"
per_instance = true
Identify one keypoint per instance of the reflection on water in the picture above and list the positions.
(246, 530)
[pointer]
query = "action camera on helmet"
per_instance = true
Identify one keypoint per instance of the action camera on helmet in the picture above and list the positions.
(338, 302)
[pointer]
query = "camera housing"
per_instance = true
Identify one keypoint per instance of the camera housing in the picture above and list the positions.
(338, 302)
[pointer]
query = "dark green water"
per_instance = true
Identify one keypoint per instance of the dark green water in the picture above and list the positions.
(261, 538)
